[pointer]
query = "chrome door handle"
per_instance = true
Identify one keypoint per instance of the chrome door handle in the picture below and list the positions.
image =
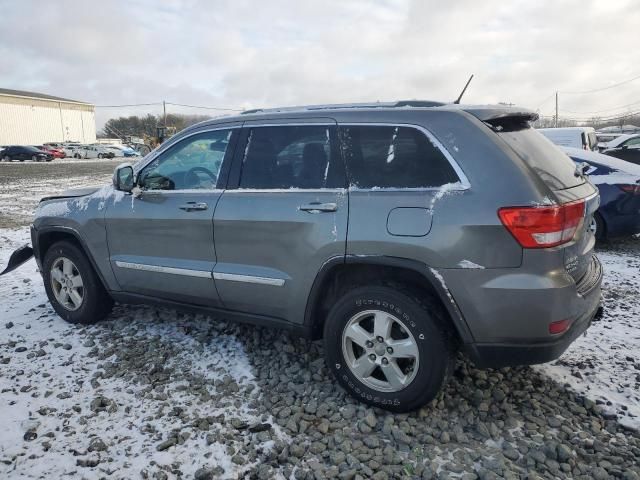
(191, 206)
(317, 207)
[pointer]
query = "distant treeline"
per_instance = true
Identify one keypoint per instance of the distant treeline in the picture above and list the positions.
(140, 126)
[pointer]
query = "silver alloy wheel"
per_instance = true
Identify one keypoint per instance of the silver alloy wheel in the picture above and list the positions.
(380, 351)
(66, 283)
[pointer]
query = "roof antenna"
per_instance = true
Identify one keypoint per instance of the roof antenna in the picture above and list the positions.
(464, 89)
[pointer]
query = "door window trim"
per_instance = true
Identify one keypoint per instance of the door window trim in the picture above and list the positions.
(227, 158)
(463, 181)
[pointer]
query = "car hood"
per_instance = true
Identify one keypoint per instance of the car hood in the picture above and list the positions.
(73, 193)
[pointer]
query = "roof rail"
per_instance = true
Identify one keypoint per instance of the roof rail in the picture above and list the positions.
(419, 103)
(333, 106)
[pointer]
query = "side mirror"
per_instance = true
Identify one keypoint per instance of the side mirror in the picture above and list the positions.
(624, 147)
(123, 178)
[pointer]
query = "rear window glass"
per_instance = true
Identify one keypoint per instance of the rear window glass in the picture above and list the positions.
(393, 157)
(552, 165)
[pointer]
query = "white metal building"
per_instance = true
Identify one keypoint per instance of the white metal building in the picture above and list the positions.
(28, 118)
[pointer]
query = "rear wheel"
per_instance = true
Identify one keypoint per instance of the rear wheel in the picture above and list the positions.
(598, 227)
(388, 348)
(6, 158)
(73, 288)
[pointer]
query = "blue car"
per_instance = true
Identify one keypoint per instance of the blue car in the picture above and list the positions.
(619, 185)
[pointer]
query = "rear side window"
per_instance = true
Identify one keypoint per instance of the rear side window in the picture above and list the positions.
(290, 157)
(393, 157)
(553, 166)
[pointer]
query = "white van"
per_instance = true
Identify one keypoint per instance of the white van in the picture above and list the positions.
(576, 137)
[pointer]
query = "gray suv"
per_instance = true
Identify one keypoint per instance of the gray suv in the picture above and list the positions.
(399, 233)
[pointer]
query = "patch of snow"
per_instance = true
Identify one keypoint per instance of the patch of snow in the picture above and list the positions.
(53, 208)
(444, 190)
(545, 202)
(469, 264)
(602, 363)
(50, 393)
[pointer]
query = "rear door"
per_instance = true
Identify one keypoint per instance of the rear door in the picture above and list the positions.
(286, 216)
(161, 241)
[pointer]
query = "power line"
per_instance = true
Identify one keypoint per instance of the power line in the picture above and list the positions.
(129, 105)
(602, 88)
(606, 109)
(207, 108)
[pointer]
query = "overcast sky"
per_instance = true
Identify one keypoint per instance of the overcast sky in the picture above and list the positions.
(246, 54)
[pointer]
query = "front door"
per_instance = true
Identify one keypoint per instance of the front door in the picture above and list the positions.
(161, 240)
(287, 217)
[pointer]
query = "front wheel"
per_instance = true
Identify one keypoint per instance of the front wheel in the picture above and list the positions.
(388, 348)
(73, 288)
(35, 158)
(6, 158)
(100, 156)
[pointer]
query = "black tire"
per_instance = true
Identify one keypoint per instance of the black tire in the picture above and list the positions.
(100, 156)
(96, 302)
(49, 159)
(601, 228)
(423, 318)
(22, 159)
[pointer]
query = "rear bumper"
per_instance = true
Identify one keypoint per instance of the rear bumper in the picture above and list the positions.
(509, 313)
(508, 355)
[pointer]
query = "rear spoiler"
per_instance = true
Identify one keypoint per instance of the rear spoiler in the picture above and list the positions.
(497, 116)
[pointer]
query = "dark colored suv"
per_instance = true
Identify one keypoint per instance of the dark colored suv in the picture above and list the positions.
(398, 234)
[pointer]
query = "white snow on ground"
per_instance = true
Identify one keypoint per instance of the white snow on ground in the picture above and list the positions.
(46, 390)
(604, 364)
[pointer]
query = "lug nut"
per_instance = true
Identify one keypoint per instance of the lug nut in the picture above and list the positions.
(369, 344)
(372, 357)
(389, 350)
(385, 361)
(380, 339)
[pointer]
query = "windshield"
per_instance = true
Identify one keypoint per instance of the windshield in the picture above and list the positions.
(554, 167)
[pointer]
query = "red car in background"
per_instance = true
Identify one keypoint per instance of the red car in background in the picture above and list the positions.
(56, 152)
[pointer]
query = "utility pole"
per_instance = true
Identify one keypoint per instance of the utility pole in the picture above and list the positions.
(556, 109)
(164, 110)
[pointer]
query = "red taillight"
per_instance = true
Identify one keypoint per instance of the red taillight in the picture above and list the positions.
(542, 227)
(632, 189)
(560, 326)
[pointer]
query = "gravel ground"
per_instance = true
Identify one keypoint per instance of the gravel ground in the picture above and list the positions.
(151, 393)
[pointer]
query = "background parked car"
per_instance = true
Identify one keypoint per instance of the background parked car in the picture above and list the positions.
(628, 154)
(122, 151)
(55, 152)
(70, 148)
(22, 153)
(93, 151)
(619, 185)
(576, 137)
(629, 139)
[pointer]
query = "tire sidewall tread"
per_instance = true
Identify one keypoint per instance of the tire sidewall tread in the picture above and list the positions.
(426, 325)
(96, 302)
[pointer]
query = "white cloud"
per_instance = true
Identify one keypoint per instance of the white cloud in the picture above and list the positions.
(250, 53)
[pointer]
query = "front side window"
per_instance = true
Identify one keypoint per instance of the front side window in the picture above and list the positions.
(193, 163)
(393, 157)
(289, 157)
